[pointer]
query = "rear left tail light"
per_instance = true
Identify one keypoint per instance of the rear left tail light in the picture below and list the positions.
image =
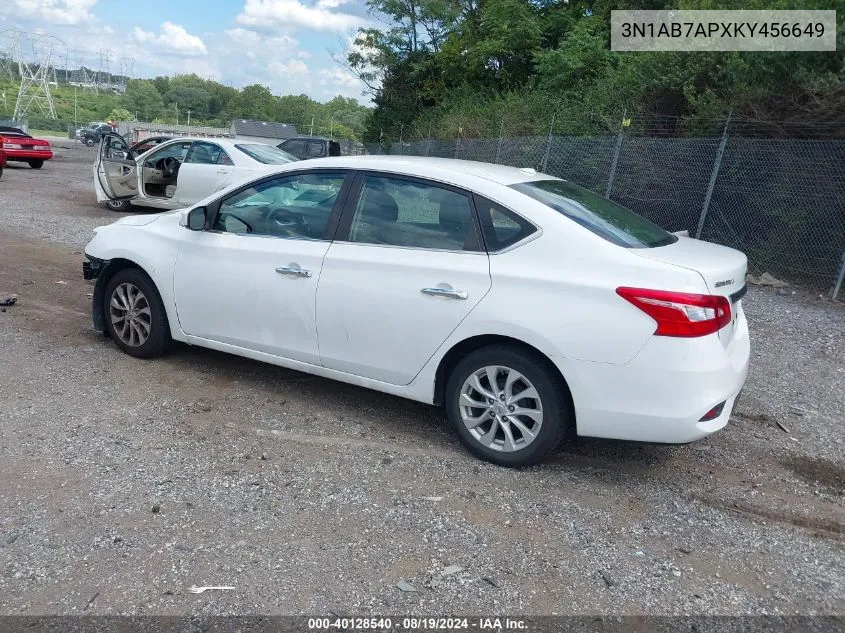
(12, 146)
(679, 313)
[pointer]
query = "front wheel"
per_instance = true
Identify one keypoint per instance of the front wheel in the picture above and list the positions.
(118, 205)
(135, 315)
(36, 164)
(507, 405)
(89, 142)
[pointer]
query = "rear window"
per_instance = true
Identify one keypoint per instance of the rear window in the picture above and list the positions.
(596, 213)
(266, 154)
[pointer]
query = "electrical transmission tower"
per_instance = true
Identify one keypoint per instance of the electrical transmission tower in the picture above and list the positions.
(8, 65)
(127, 72)
(34, 54)
(104, 76)
(82, 76)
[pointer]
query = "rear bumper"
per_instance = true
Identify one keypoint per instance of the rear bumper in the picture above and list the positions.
(662, 394)
(22, 154)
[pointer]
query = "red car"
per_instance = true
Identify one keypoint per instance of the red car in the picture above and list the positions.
(18, 145)
(2, 161)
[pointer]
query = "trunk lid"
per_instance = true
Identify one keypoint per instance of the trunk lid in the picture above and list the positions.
(722, 268)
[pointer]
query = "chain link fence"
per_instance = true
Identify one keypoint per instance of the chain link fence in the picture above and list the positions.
(779, 200)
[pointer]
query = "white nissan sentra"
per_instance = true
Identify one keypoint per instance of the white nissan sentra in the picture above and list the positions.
(524, 304)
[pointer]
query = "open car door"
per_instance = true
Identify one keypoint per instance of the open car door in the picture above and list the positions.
(115, 170)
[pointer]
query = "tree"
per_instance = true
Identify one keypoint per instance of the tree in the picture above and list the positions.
(255, 102)
(120, 114)
(143, 97)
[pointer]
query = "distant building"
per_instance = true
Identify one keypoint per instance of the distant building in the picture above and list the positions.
(262, 131)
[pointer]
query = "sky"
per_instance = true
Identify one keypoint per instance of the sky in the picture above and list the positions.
(283, 44)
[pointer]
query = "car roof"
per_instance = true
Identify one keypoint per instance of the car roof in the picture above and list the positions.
(309, 138)
(432, 167)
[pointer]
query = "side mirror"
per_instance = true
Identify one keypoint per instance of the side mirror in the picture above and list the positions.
(196, 218)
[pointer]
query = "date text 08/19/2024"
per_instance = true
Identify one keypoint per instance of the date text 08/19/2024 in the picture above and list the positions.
(417, 624)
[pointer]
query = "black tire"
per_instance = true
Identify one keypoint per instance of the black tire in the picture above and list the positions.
(158, 340)
(118, 205)
(36, 164)
(89, 142)
(553, 396)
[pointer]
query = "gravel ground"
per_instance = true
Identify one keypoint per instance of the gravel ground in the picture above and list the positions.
(124, 482)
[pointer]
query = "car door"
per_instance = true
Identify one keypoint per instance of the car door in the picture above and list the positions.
(115, 170)
(206, 169)
(315, 149)
(406, 267)
(294, 147)
(250, 279)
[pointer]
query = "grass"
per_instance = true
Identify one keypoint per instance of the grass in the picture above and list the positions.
(42, 133)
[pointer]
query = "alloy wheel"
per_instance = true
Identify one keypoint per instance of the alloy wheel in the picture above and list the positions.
(501, 408)
(130, 314)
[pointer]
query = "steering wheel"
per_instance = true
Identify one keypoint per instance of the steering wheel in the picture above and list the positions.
(170, 167)
(287, 221)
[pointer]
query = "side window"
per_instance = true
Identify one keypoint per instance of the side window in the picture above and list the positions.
(501, 227)
(295, 147)
(175, 150)
(296, 206)
(413, 214)
(203, 153)
(315, 149)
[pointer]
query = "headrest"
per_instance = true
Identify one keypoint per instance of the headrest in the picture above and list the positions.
(454, 209)
(379, 205)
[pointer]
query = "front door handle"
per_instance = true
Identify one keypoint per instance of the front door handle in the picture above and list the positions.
(222, 171)
(294, 271)
(445, 292)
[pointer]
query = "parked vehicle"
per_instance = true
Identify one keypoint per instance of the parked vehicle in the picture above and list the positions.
(524, 304)
(20, 146)
(304, 147)
(177, 172)
(93, 133)
(2, 161)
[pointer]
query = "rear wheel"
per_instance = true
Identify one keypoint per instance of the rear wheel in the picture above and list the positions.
(118, 205)
(507, 405)
(135, 315)
(89, 142)
(36, 164)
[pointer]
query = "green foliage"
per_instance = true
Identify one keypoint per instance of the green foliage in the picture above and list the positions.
(525, 60)
(162, 99)
(120, 114)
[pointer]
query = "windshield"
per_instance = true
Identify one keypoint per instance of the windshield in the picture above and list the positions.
(598, 214)
(266, 154)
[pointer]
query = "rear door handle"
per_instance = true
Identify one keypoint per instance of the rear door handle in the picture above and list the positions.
(222, 171)
(294, 271)
(445, 292)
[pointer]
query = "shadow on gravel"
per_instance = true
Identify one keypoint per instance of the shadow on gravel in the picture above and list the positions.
(817, 470)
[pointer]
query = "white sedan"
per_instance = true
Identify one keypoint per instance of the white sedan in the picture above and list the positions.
(526, 305)
(179, 172)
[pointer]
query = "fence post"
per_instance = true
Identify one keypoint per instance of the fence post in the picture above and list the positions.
(401, 130)
(714, 174)
(499, 143)
(548, 146)
(839, 279)
(428, 141)
(458, 142)
(616, 153)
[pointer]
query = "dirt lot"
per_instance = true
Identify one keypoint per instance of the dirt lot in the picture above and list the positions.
(124, 482)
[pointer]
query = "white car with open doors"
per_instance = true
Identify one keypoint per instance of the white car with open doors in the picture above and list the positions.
(524, 304)
(178, 172)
